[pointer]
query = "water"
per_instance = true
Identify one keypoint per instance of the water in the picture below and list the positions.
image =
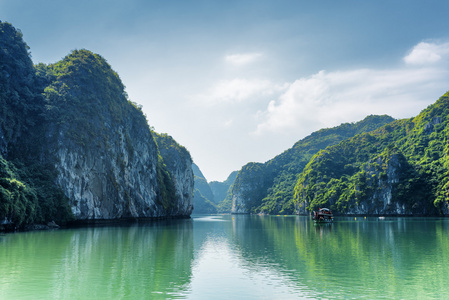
(231, 257)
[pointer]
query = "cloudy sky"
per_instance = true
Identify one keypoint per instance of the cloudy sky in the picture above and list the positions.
(240, 81)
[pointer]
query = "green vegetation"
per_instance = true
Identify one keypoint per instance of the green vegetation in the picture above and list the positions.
(28, 195)
(269, 187)
(407, 157)
(80, 86)
(20, 99)
(172, 152)
(27, 190)
(201, 204)
(167, 191)
(171, 156)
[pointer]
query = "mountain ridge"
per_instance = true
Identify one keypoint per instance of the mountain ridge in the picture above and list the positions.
(268, 187)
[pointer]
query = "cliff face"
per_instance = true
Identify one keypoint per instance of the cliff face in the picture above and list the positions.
(108, 183)
(180, 169)
(178, 164)
(102, 149)
(382, 185)
(249, 187)
(238, 202)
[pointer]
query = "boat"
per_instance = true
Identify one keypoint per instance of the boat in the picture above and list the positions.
(323, 215)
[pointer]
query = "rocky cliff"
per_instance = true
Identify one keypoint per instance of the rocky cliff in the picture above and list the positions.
(178, 163)
(103, 150)
(73, 145)
(108, 183)
(248, 189)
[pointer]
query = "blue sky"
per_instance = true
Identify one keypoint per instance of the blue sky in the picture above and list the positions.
(241, 81)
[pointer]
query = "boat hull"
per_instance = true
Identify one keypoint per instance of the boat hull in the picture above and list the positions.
(324, 215)
(324, 221)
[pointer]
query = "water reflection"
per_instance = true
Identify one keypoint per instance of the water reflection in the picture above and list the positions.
(135, 262)
(350, 258)
(222, 257)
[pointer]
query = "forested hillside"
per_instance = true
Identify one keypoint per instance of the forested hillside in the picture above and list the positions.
(400, 168)
(268, 187)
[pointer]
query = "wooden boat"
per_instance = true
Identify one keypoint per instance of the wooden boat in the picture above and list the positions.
(323, 215)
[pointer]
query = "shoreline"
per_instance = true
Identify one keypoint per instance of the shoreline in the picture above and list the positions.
(88, 223)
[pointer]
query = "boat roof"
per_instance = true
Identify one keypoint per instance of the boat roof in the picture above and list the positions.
(325, 209)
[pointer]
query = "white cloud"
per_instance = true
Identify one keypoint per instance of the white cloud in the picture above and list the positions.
(238, 90)
(427, 53)
(241, 59)
(327, 99)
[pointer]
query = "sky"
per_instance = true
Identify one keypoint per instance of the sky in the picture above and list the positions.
(242, 81)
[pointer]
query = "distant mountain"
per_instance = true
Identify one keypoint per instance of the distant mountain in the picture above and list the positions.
(221, 189)
(201, 183)
(222, 192)
(212, 197)
(268, 187)
(401, 168)
(203, 198)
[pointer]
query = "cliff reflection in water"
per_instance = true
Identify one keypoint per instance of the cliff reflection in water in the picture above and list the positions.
(225, 257)
(393, 258)
(135, 262)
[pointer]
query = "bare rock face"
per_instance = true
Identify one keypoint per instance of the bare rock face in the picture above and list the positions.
(248, 189)
(109, 183)
(183, 179)
(238, 203)
(381, 201)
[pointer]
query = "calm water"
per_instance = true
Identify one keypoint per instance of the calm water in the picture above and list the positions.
(238, 257)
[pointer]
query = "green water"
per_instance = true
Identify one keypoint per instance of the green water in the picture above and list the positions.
(231, 257)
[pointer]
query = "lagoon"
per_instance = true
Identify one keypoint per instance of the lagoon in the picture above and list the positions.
(231, 256)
